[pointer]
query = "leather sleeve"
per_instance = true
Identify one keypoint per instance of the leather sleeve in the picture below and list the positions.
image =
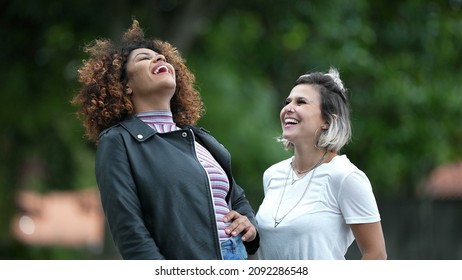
(120, 200)
(240, 204)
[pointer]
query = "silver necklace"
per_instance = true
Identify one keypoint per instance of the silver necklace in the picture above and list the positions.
(292, 177)
(277, 221)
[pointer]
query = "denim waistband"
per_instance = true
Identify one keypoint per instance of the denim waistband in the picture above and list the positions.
(234, 249)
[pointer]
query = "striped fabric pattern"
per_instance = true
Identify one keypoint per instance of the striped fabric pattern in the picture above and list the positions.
(162, 121)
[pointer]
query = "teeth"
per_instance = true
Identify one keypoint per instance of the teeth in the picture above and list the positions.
(291, 121)
(160, 68)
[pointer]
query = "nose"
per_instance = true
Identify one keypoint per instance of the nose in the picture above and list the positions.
(289, 109)
(160, 57)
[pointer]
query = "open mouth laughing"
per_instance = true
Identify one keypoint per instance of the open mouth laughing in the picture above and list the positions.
(290, 122)
(161, 69)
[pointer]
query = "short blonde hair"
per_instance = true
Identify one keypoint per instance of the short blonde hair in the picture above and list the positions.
(334, 110)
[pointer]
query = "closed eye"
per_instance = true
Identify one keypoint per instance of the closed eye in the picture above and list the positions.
(142, 56)
(298, 101)
(301, 101)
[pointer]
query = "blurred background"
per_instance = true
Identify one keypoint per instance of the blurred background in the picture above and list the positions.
(401, 61)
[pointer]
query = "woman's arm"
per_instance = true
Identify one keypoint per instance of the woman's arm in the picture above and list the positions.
(370, 240)
(244, 219)
(120, 201)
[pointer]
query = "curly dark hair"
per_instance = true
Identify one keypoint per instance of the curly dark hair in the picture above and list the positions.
(103, 100)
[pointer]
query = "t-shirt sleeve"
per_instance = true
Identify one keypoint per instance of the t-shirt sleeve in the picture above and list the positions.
(266, 178)
(357, 201)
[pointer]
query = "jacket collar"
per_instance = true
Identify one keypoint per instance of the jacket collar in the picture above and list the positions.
(141, 131)
(137, 128)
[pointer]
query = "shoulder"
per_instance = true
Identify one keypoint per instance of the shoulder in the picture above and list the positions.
(341, 169)
(280, 168)
(342, 166)
(129, 127)
(198, 130)
(282, 165)
(111, 131)
(111, 135)
(203, 135)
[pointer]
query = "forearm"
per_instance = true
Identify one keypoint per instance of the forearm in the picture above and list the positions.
(374, 255)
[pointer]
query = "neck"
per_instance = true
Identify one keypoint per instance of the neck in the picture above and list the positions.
(152, 99)
(303, 163)
(154, 103)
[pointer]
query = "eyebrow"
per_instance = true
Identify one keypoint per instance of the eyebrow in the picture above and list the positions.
(297, 98)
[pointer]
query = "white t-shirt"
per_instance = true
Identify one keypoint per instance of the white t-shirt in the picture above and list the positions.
(318, 227)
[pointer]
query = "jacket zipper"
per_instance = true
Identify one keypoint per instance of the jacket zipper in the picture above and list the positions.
(209, 189)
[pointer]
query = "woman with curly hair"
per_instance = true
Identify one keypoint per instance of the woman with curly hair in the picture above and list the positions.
(166, 185)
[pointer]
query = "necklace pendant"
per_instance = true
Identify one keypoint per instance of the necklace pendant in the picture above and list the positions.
(276, 223)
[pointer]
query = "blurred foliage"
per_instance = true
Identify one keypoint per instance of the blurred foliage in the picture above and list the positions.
(400, 60)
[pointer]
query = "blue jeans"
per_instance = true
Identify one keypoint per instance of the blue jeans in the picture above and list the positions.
(234, 249)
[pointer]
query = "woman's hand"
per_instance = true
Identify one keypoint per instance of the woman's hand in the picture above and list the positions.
(240, 224)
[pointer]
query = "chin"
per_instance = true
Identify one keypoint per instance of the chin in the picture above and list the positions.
(167, 85)
(286, 135)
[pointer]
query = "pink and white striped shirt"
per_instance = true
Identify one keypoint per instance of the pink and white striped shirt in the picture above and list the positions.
(162, 122)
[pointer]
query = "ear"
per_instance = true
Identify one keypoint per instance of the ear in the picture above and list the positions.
(128, 90)
(325, 126)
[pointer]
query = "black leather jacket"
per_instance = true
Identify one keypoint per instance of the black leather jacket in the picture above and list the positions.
(156, 195)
